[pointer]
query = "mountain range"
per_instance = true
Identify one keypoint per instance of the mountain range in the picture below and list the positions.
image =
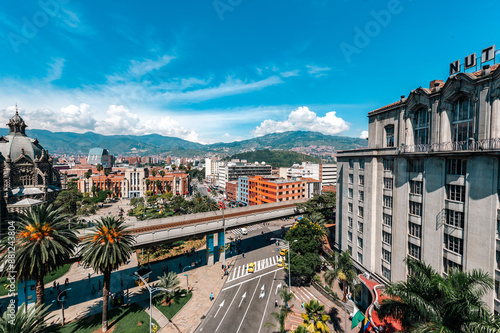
(311, 143)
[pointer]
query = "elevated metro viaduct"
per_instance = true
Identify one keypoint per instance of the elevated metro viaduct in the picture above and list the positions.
(211, 224)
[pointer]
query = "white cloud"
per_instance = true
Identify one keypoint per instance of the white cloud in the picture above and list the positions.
(139, 68)
(363, 135)
(304, 119)
(290, 73)
(317, 71)
(55, 70)
(69, 118)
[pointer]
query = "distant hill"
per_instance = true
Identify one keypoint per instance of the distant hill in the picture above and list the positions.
(310, 143)
(277, 158)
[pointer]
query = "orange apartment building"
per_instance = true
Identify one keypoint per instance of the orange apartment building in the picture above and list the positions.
(267, 189)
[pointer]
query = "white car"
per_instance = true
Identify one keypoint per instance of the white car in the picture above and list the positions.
(244, 231)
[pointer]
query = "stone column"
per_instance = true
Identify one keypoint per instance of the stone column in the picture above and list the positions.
(210, 249)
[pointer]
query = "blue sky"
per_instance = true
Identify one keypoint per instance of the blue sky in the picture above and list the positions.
(226, 70)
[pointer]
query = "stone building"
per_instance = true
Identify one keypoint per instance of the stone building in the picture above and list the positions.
(428, 184)
(28, 174)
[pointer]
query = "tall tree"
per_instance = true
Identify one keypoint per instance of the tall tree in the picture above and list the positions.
(107, 248)
(34, 320)
(68, 200)
(99, 168)
(344, 271)
(106, 173)
(43, 243)
(171, 283)
(173, 166)
(427, 301)
(162, 174)
(280, 316)
(153, 173)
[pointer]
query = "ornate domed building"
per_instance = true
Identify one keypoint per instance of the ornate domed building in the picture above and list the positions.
(28, 174)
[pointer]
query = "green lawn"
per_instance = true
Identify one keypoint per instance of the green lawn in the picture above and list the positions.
(48, 278)
(130, 319)
(171, 310)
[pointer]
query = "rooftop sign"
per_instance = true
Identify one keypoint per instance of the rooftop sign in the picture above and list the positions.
(487, 54)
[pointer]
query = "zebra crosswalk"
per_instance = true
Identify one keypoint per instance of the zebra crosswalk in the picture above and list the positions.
(242, 270)
(237, 231)
(303, 295)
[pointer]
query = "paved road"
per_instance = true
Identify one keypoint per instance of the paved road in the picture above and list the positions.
(247, 299)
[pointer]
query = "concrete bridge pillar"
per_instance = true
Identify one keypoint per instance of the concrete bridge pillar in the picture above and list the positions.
(210, 249)
(221, 246)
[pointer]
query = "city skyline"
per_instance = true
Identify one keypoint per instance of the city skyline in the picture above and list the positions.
(224, 71)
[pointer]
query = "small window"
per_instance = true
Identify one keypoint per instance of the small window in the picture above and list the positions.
(414, 250)
(350, 193)
(448, 264)
(360, 227)
(415, 208)
(388, 164)
(349, 222)
(351, 164)
(349, 236)
(361, 195)
(386, 273)
(386, 237)
(416, 187)
(361, 164)
(456, 219)
(415, 230)
(349, 207)
(360, 242)
(388, 183)
(386, 255)
(456, 166)
(387, 219)
(455, 193)
(360, 211)
(361, 180)
(351, 178)
(387, 201)
(389, 136)
(349, 249)
(360, 258)
(454, 244)
(416, 166)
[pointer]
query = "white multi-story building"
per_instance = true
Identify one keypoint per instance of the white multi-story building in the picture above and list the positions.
(232, 171)
(325, 173)
(428, 184)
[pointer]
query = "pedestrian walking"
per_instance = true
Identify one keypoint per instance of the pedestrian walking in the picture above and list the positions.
(57, 286)
(211, 296)
(54, 285)
(302, 305)
(66, 282)
(243, 254)
(276, 303)
(88, 276)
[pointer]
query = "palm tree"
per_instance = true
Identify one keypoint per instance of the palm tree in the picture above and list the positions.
(301, 329)
(173, 166)
(280, 317)
(171, 283)
(158, 184)
(99, 168)
(314, 318)
(153, 173)
(162, 174)
(344, 271)
(147, 184)
(43, 243)
(33, 320)
(428, 301)
(108, 247)
(106, 173)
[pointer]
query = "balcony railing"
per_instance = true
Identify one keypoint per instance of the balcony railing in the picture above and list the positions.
(469, 145)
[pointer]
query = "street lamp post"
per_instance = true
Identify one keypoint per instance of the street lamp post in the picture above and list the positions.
(224, 226)
(187, 278)
(151, 291)
(62, 298)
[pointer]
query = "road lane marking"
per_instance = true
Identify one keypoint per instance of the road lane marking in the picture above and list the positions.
(255, 277)
(229, 307)
(262, 291)
(249, 303)
(265, 309)
(220, 307)
(242, 298)
(278, 287)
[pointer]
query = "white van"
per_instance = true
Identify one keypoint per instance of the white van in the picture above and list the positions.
(244, 231)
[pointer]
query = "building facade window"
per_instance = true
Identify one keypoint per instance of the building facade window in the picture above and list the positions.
(415, 208)
(463, 124)
(453, 244)
(414, 250)
(360, 242)
(351, 163)
(454, 218)
(422, 127)
(361, 195)
(448, 264)
(386, 255)
(349, 236)
(350, 193)
(360, 227)
(386, 273)
(361, 164)
(415, 230)
(360, 211)
(360, 258)
(416, 166)
(386, 238)
(351, 178)
(388, 164)
(361, 180)
(456, 166)
(389, 136)
(349, 222)
(416, 187)
(388, 183)
(387, 201)
(387, 219)
(455, 193)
